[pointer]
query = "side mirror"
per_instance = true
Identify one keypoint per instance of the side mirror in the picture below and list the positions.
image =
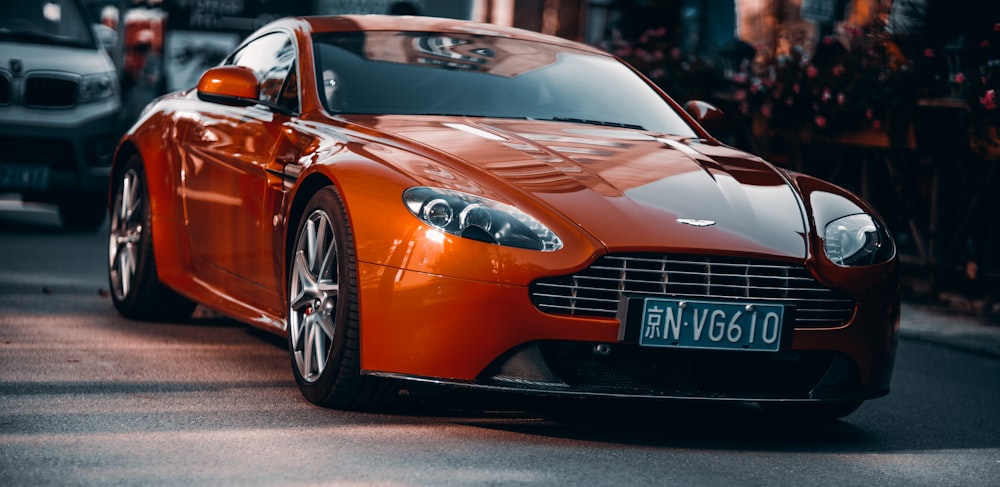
(710, 117)
(229, 85)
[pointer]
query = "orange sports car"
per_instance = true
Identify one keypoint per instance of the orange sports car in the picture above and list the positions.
(434, 200)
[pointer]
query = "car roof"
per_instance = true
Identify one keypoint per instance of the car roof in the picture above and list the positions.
(354, 23)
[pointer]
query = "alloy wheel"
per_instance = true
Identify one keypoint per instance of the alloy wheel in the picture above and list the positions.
(313, 296)
(127, 227)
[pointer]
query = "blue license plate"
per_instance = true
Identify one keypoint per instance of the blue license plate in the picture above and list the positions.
(24, 177)
(686, 323)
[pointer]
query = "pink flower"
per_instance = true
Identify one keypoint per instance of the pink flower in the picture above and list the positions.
(959, 78)
(989, 100)
(796, 88)
(839, 70)
(928, 52)
(996, 27)
(766, 110)
(826, 96)
(741, 95)
(820, 121)
(740, 78)
(812, 72)
(841, 99)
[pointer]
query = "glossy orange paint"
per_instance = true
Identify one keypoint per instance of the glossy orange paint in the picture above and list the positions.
(227, 185)
(236, 82)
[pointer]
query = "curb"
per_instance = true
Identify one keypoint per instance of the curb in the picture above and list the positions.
(950, 328)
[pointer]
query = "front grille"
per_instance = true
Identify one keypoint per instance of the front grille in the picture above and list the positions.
(50, 92)
(55, 153)
(597, 290)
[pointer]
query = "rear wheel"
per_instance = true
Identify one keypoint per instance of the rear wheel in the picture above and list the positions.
(135, 288)
(323, 317)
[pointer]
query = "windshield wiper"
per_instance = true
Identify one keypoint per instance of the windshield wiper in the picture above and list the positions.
(597, 122)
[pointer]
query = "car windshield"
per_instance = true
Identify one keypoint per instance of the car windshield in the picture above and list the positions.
(421, 73)
(57, 22)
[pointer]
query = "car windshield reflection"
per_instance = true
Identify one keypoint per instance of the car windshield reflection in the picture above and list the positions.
(423, 73)
(50, 22)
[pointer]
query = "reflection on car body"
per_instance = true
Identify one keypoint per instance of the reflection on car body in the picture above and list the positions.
(418, 199)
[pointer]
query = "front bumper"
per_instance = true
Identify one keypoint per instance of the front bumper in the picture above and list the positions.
(477, 334)
(56, 152)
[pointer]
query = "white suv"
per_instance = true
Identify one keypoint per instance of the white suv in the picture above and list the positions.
(59, 109)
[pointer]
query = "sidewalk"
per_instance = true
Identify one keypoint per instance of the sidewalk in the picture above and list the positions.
(950, 328)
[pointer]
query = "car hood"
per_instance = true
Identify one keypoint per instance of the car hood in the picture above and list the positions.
(54, 58)
(631, 190)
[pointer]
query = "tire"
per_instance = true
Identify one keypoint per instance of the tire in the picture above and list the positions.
(323, 318)
(84, 212)
(809, 412)
(135, 288)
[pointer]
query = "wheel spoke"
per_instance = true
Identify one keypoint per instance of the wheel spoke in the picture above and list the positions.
(127, 198)
(310, 244)
(304, 288)
(319, 346)
(324, 322)
(126, 267)
(319, 248)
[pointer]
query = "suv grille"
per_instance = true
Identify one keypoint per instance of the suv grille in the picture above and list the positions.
(50, 92)
(597, 290)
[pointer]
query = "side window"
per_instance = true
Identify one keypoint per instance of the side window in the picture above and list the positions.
(272, 58)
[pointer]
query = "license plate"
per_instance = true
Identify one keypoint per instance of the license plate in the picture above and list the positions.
(704, 324)
(24, 177)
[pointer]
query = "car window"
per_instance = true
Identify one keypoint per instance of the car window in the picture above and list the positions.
(431, 73)
(55, 22)
(272, 58)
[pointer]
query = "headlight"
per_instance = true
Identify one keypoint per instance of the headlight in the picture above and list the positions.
(95, 87)
(857, 240)
(479, 218)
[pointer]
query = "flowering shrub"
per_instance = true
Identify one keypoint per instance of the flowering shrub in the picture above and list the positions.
(980, 84)
(858, 81)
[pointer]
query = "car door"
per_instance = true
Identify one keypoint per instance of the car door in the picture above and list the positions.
(230, 199)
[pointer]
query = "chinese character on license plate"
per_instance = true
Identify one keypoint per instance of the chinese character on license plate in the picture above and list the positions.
(685, 323)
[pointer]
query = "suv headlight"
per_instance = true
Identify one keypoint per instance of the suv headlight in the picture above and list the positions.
(857, 240)
(478, 218)
(94, 87)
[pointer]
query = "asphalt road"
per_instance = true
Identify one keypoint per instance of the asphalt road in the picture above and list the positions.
(88, 398)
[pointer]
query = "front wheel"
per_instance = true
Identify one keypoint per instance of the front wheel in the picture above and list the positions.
(323, 317)
(135, 288)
